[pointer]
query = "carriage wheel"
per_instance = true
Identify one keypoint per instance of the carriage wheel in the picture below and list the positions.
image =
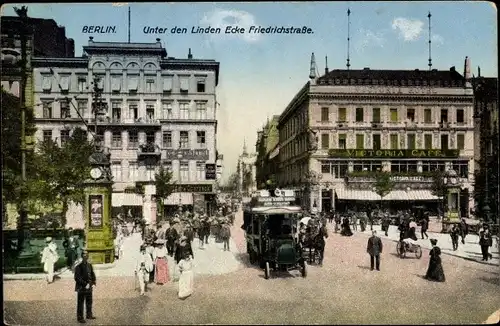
(418, 252)
(303, 269)
(267, 271)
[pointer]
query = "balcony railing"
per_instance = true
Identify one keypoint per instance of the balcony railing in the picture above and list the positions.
(149, 149)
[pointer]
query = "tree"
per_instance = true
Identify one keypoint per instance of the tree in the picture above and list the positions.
(383, 184)
(438, 188)
(62, 171)
(164, 188)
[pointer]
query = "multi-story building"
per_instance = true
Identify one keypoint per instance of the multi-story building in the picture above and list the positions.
(267, 152)
(151, 99)
(345, 126)
(486, 137)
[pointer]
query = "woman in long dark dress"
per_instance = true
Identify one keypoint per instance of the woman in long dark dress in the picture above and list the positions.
(346, 229)
(435, 271)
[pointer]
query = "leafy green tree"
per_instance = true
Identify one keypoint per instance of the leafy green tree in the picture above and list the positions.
(164, 188)
(62, 171)
(383, 184)
(438, 188)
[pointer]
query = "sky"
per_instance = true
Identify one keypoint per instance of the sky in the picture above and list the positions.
(261, 73)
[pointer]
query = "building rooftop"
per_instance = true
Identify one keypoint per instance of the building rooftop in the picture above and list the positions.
(415, 77)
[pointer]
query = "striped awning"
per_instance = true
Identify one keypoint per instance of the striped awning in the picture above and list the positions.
(124, 199)
(353, 194)
(405, 195)
(183, 198)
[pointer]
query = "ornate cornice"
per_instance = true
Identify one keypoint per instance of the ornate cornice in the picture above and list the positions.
(394, 98)
(294, 103)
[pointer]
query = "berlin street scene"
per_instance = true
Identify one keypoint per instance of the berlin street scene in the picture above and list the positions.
(250, 163)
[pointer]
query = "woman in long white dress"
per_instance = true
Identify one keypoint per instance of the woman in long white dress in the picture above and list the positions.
(185, 267)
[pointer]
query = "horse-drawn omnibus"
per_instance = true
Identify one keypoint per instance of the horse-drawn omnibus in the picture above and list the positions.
(271, 231)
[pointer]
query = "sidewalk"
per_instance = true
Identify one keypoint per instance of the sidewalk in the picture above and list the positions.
(470, 250)
(212, 260)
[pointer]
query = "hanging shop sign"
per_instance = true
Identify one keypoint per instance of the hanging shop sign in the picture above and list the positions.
(199, 188)
(394, 153)
(210, 171)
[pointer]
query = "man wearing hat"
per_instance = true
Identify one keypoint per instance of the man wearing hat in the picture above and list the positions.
(85, 281)
(49, 258)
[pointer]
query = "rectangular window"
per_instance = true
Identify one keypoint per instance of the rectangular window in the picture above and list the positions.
(133, 140)
(200, 170)
(376, 115)
(444, 142)
(201, 110)
(166, 109)
(150, 137)
(47, 135)
(167, 84)
(444, 115)
(376, 141)
(167, 165)
(133, 171)
(184, 170)
(150, 172)
(325, 141)
(47, 110)
(82, 108)
(184, 139)
(64, 82)
(460, 141)
(428, 116)
(133, 83)
(116, 111)
(460, 116)
(411, 141)
(428, 141)
(150, 85)
(65, 111)
(342, 115)
(64, 136)
(200, 85)
(325, 113)
(116, 84)
(47, 83)
(394, 115)
(360, 115)
(133, 111)
(410, 114)
(394, 141)
(360, 141)
(184, 111)
(200, 139)
(342, 141)
(82, 84)
(325, 168)
(116, 140)
(184, 84)
(116, 171)
(150, 112)
(167, 139)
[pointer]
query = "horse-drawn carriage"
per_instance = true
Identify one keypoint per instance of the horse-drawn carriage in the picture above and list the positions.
(408, 246)
(271, 232)
(312, 239)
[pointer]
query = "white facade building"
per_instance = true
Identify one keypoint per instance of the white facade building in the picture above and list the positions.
(151, 99)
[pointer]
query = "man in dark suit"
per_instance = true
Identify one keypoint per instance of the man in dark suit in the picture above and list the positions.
(85, 281)
(374, 248)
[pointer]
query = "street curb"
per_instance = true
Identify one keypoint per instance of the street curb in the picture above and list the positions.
(494, 318)
(444, 252)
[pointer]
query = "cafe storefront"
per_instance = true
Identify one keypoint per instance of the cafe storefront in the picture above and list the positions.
(350, 176)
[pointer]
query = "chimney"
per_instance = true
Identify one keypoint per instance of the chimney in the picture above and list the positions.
(190, 56)
(467, 74)
(158, 40)
(478, 71)
(312, 69)
(91, 39)
(326, 65)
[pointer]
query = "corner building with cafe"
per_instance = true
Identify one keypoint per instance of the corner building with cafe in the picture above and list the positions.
(346, 126)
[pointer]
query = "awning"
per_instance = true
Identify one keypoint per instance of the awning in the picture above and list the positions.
(409, 195)
(123, 199)
(183, 198)
(352, 194)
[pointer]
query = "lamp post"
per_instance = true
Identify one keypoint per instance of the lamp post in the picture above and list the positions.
(452, 214)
